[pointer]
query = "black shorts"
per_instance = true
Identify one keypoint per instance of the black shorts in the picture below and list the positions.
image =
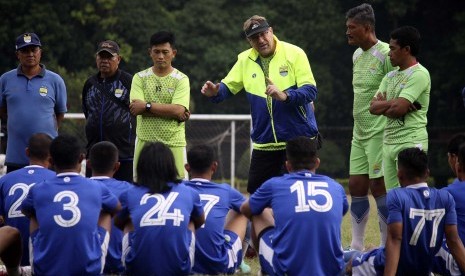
(265, 165)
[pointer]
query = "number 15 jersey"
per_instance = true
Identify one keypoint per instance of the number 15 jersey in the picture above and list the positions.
(308, 210)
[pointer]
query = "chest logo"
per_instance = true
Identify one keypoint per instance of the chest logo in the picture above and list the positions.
(43, 91)
(284, 70)
(118, 93)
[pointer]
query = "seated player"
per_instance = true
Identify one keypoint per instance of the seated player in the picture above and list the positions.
(103, 160)
(64, 213)
(419, 217)
(159, 217)
(444, 262)
(14, 187)
(218, 245)
(303, 235)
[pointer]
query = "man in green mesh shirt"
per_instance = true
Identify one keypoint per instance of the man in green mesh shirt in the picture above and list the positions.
(160, 99)
(403, 97)
(370, 64)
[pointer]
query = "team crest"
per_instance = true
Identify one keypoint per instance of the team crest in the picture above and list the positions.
(254, 75)
(284, 70)
(373, 68)
(170, 90)
(43, 91)
(118, 93)
(376, 168)
(27, 38)
(426, 193)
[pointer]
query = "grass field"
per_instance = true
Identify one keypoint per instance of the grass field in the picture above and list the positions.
(371, 236)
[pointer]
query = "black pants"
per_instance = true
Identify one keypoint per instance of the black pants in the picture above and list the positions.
(124, 173)
(265, 165)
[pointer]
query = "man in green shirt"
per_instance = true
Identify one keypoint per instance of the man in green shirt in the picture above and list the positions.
(370, 64)
(160, 98)
(403, 97)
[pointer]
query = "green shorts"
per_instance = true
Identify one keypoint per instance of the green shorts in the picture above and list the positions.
(180, 157)
(390, 153)
(366, 157)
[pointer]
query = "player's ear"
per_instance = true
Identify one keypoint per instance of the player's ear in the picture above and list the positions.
(214, 166)
(27, 152)
(317, 163)
(187, 167)
(288, 166)
(88, 164)
(116, 167)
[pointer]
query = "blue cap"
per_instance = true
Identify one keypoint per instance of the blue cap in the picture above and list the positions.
(27, 39)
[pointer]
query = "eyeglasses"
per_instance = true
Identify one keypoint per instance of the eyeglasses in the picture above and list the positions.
(255, 37)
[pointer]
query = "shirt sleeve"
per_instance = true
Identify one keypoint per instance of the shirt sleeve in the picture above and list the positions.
(234, 80)
(182, 93)
(261, 198)
(394, 207)
(236, 200)
(109, 200)
(416, 84)
(451, 213)
(61, 96)
(137, 92)
(124, 213)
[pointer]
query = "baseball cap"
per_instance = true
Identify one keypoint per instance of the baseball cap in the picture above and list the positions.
(27, 39)
(256, 28)
(109, 46)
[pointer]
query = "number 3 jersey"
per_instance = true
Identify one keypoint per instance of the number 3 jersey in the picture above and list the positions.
(308, 210)
(67, 209)
(423, 212)
(161, 241)
(13, 190)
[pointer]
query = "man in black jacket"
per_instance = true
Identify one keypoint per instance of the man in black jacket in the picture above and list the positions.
(105, 103)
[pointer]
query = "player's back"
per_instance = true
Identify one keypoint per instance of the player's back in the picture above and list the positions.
(424, 212)
(308, 210)
(67, 209)
(217, 200)
(14, 187)
(161, 241)
(457, 190)
(113, 262)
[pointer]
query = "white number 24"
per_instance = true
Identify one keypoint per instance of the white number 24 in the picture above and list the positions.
(160, 209)
(313, 189)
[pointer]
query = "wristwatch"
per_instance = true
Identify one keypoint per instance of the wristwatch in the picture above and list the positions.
(148, 106)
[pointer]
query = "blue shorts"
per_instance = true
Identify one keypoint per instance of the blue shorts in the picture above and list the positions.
(369, 263)
(444, 263)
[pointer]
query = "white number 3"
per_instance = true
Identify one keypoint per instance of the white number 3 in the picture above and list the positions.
(70, 206)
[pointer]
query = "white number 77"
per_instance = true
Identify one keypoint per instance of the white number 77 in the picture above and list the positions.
(434, 215)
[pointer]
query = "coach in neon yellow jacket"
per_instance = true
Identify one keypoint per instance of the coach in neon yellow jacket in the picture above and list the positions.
(280, 88)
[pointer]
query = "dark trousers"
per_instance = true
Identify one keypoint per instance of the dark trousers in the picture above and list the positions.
(265, 165)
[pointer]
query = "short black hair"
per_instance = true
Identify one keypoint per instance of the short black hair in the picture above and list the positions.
(200, 158)
(455, 142)
(362, 14)
(302, 152)
(65, 151)
(162, 37)
(407, 36)
(103, 156)
(156, 167)
(39, 146)
(413, 161)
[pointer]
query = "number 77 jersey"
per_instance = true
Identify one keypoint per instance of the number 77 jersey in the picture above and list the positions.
(308, 210)
(423, 212)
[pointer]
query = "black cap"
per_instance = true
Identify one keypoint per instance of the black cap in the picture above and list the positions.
(109, 46)
(256, 28)
(27, 39)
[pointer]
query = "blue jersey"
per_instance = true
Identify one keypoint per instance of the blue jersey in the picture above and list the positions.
(13, 190)
(211, 255)
(161, 239)
(308, 210)
(32, 105)
(457, 190)
(113, 262)
(423, 212)
(67, 209)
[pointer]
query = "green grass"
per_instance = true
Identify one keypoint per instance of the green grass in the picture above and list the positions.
(371, 234)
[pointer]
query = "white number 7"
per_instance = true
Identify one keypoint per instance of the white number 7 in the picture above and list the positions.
(211, 201)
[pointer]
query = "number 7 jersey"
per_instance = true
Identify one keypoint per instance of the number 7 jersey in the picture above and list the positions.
(423, 212)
